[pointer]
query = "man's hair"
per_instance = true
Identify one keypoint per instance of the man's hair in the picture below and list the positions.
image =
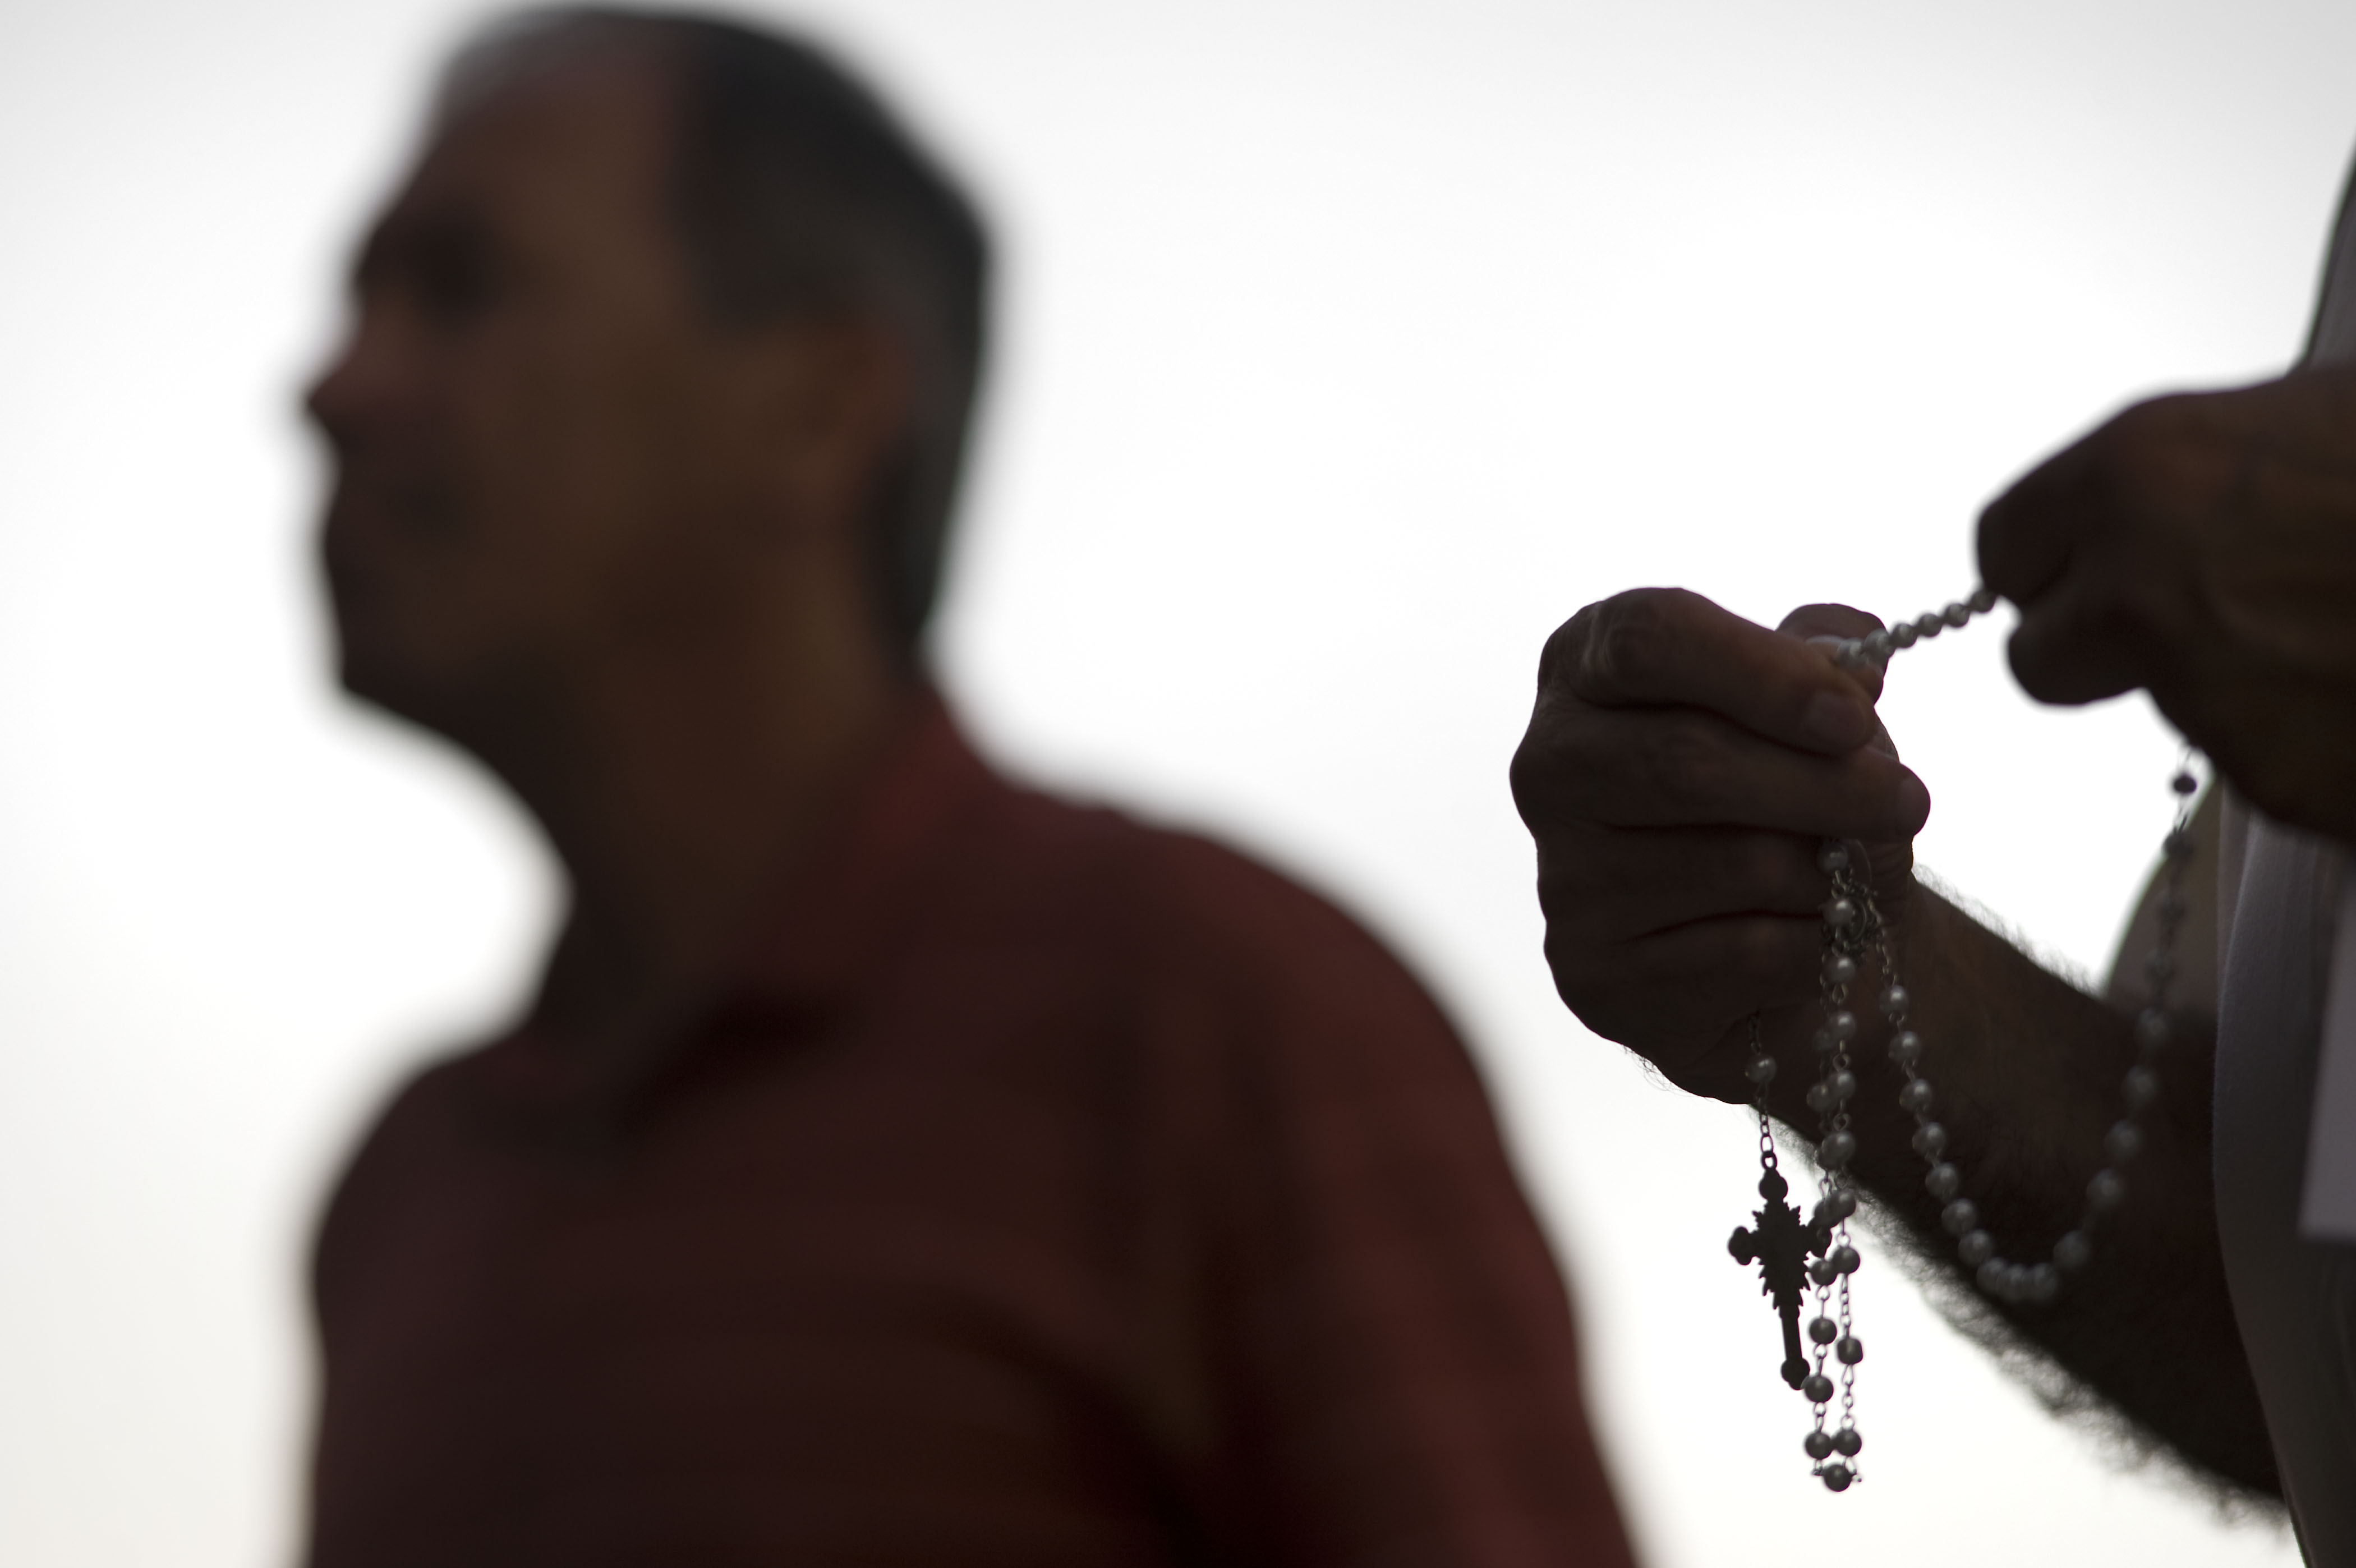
(795, 190)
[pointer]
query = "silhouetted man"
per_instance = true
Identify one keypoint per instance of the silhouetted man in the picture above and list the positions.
(895, 1166)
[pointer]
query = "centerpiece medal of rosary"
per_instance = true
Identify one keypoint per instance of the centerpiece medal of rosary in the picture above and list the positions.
(1809, 1263)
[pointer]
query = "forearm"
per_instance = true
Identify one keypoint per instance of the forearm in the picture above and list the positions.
(2027, 1072)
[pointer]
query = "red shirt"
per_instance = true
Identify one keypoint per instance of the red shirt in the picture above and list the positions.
(1047, 1189)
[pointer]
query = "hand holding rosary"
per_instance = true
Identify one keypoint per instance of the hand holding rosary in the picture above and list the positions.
(1796, 1256)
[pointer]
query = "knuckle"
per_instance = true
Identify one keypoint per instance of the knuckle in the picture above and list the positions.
(1565, 891)
(1561, 772)
(1627, 637)
(1544, 777)
(1560, 653)
(1579, 979)
(1583, 919)
(1680, 761)
(1765, 956)
(2162, 453)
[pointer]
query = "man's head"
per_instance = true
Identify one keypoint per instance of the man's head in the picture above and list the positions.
(668, 313)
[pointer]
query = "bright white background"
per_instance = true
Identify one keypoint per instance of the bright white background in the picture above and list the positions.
(1346, 348)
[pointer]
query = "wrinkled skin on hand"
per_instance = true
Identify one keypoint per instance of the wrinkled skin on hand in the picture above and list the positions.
(1681, 770)
(2203, 546)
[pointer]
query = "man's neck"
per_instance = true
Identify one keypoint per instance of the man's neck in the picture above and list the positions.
(679, 789)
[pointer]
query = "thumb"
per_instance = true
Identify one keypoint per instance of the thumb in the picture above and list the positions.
(1833, 623)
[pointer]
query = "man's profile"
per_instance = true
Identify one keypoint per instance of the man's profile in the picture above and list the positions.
(895, 1165)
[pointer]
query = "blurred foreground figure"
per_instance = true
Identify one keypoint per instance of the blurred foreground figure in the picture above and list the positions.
(896, 1166)
(1683, 766)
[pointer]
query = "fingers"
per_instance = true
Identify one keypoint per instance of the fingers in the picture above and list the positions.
(1828, 621)
(1682, 767)
(2093, 544)
(1603, 886)
(2031, 535)
(2026, 535)
(1667, 647)
(1672, 996)
(2073, 646)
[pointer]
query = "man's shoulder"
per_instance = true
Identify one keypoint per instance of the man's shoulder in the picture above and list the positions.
(1185, 900)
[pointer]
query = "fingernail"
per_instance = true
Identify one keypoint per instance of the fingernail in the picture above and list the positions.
(1835, 723)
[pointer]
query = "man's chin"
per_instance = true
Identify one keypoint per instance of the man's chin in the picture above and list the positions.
(394, 685)
(477, 715)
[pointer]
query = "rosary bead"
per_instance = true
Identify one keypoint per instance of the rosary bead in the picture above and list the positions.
(1837, 1150)
(1902, 635)
(1847, 1442)
(1849, 1352)
(1943, 1182)
(1905, 1047)
(2141, 1087)
(1841, 1024)
(2123, 1142)
(1893, 1000)
(1916, 1096)
(1977, 1247)
(2152, 1029)
(1820, 1096)
(1822, 1271)
(2178, 845)
(1983, 599)
(1842, 1085)
(1930, 1140)
(1832, 856)
(1818, 1389)
(1956, 614)
(2073, 1252)
(1760, 1068)
(1840, 968)
(1843, 1260)
(2158, 965)
(2044, 1282)
(1993, 1275)
(1837, 1477)
(1839, 913)
(1929, 625)
(1877, 646)
(1824, 1331)
(1850, 652)
(2105, 1191)
(2173, 905)
(1834, 1206)
(1960, 1215)
(1818, 1445)
(2184, 783)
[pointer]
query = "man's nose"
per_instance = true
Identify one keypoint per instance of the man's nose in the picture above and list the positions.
(354, 386)
(330, 400)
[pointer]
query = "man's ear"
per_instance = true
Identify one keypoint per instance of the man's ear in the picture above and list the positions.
(824, 402)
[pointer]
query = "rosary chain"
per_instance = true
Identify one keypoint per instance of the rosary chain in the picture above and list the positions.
(1853, 928)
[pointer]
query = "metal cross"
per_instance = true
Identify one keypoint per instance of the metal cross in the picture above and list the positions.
(1781, 1246)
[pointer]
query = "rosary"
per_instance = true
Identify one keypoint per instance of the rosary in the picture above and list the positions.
(1796, 1256)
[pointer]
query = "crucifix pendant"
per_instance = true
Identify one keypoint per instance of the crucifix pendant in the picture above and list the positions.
(1781, 1246)
(1793, 1253)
